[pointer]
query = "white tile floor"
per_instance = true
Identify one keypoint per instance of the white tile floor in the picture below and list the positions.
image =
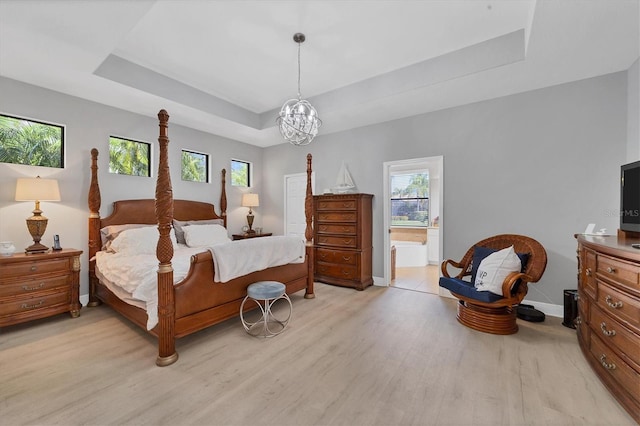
(422, 278)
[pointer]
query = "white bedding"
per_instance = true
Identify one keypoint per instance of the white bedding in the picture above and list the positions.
(137, 273)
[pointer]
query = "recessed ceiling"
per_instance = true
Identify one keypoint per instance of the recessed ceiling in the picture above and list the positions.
(226, 67)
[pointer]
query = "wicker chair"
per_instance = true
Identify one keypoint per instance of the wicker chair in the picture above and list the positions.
(485, 311)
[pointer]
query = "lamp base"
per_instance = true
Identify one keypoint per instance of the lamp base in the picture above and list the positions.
(36, 248)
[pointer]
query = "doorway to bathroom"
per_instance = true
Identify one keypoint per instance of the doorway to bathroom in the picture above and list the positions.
(413, 197)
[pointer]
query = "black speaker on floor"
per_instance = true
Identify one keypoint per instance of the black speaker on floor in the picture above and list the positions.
(570, 308)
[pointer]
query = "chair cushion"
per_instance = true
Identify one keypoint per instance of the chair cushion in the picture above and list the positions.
(466, 289)
(495, 268)
(265, 290)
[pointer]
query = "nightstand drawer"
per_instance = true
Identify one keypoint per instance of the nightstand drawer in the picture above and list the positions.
(23, 305)
(34, 266)
(32, 285)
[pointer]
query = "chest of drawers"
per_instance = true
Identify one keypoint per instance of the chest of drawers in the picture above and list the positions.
(609, 315)
(343, 239)
(39, 285)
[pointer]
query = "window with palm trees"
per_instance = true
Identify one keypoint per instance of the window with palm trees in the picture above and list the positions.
(30, 142)
(240, 173)
(410, 199)
(129, 157)
(195, 166)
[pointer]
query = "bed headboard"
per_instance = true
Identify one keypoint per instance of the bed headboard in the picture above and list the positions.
(143, 211)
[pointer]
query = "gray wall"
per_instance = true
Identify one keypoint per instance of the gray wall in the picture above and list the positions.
(89, 125)
(543, 163)
(633, 112)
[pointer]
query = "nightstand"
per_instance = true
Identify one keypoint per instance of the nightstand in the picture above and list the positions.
(245, 236)
(35, 286)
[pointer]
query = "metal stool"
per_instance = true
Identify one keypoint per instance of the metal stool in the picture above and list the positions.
(267, 292)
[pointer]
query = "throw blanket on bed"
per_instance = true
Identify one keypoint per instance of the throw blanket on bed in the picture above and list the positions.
(136, 273)
(242, 257)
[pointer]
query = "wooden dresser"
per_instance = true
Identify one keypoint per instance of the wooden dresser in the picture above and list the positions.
(609, 314)
(342, 239)
(39, 285)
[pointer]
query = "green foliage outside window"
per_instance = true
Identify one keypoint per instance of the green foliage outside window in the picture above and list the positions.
(31, 143)
(127, 157)
(410, 199)
(240, 173)
(195, 166)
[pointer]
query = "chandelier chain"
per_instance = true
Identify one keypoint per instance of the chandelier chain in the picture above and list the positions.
(299, 96)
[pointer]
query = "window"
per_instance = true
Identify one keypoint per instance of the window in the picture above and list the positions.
(128, 157)
(32, 143)
(240, 173)
(410, 199)
(195, 166)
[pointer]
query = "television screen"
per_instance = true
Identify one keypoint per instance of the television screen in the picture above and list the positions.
(630, 197)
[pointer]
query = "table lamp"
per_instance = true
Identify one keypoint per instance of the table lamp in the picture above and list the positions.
(250, 200)
(37, 189)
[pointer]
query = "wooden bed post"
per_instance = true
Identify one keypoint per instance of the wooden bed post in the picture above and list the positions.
(308, 232)
(95, 242)
(223, 197)
(167, 354)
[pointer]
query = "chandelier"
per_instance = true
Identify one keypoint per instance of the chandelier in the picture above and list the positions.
(298, 120)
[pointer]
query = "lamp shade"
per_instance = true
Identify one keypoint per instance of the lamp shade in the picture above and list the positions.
(37, 189)
(250, 200)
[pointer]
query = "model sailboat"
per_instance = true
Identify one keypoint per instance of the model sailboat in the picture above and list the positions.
(344, 182)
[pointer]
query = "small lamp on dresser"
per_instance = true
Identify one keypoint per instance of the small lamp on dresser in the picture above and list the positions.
(37, 189)
(250, 200)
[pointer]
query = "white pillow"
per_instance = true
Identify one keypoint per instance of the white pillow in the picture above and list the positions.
(494, 269)
(205, 235)
(139, 240)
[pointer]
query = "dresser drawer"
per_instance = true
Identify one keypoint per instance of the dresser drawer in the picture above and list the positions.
(612, 364)
(346, 241)
(589, 273)
(345, 272)
(336, 204)
(23, 305)
(36, 266)
(327, 228)
(619, 305)
(615, 334)
(32, 285)
(337, 256)
(619, 271)
(336, 217)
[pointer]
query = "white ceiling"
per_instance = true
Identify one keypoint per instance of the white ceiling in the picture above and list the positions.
(226, 67)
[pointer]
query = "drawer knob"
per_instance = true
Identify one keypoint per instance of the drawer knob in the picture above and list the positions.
(578, 320)
(614, 305)
(609, 333)
(34, 268)
(588, 272)
(37, 305)
(605, 364)
(37, 287)
(611, 270)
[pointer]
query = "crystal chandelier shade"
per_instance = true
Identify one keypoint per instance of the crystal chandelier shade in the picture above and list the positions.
(298, 120)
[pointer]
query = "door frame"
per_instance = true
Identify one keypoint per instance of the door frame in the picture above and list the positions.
(386, 167)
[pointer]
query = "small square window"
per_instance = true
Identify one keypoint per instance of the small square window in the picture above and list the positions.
(195, 166)
(240, 173)
(129, 157)
(32, 143)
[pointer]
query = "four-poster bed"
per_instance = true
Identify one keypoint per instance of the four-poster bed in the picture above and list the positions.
(197, 301)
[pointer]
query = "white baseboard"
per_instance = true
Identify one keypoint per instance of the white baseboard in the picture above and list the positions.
(547, 308)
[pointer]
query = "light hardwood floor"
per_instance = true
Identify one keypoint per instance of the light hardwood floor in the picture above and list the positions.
(384, 356)
(418, 278)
